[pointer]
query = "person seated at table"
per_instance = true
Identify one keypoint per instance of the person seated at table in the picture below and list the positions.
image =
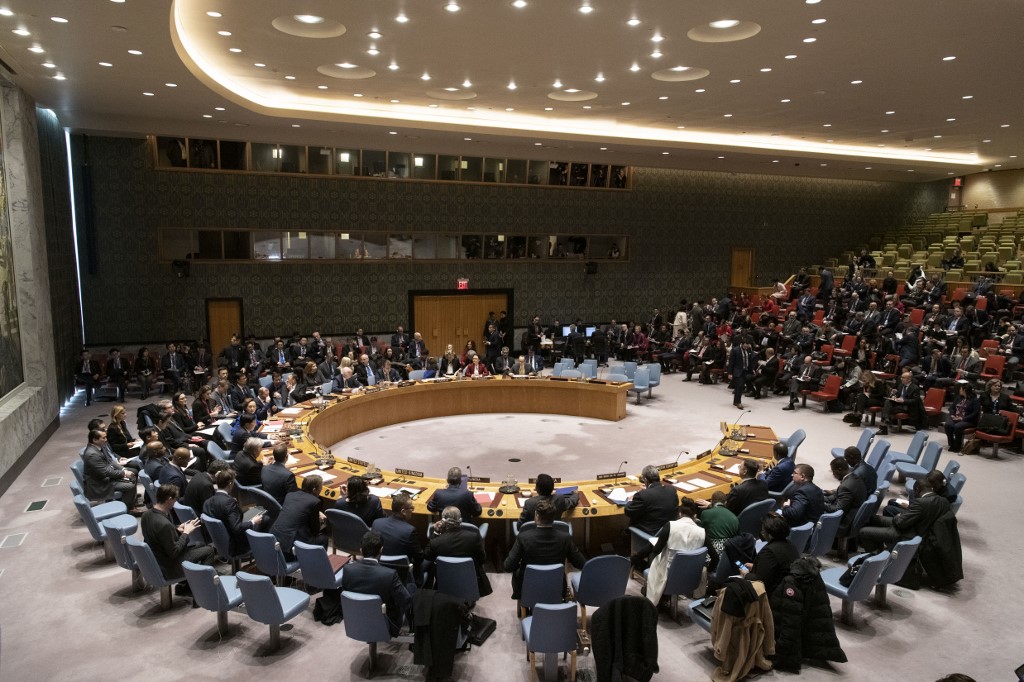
(306, 383)
(240, 392)
(357, 499)
(400, 536)
(300, 517)
(503, 363)
(544, 489)
(248, 463)
(105, 477)
(266, 408)
(277, 480)
(452, 539)
(455, 495)
(848, 497)
(347, 381)
(366, 372)
(204, 409)
(450, 364)
(224, 507)
(720, 524)
(541, 544)
(367, 576)
(682, 534)
(183, 415)
(173, 437)
(749, 490)
(654, 506)
(476, 368)
(389, 374)
(780, 474)
(248, 407)
(964, 414)
(806, 502)
(246, 430)
(804, 377)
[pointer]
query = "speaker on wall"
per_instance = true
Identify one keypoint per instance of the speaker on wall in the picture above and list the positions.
(590, 267)
(181, 268)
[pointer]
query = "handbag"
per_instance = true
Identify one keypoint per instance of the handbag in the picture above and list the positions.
(995, 424)
(851, 571)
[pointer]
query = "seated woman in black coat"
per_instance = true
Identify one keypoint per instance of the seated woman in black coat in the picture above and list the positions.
(772, 563)
(357, 499)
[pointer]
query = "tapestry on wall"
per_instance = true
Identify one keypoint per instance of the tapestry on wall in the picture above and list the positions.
(11, 370)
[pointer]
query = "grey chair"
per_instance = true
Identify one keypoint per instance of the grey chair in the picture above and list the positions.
(270, 559)
(551, 630)
(217, 452)
(863, 443)
(860, 587)
(456, 576)
(270, 605)
(929, 460)
(518, 528)
(221, 540)
(641, 382)
(793, 441)
(147, 485)
(261, 498)
(864, 513)
(750, 517)
(117, 530)
(347, 531)
(602, 579)
(317, 570)
(914, 450)
(78, 470)
(366, 621)
(92, 517)
(151, 572)
(684, 575)
(825, 530)
(801, 535)
(217, 593)
(878, 453)
(542, 584)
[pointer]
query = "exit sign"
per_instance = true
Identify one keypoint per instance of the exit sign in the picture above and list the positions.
(462, 283)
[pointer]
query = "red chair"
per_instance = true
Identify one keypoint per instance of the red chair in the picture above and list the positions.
(827, 349)
(846, 349)
(895, 361)
(993, 368)
(916, 317)
(819, 318)
(987, 346)
(828, 392)
(958, 294)
(981, 303)
(933, 402)
(996, 439)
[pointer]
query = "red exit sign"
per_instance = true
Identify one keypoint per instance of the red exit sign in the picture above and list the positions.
(462, 283)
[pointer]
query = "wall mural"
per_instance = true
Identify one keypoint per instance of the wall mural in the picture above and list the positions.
(11, 371)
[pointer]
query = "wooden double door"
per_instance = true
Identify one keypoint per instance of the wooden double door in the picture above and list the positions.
(454, 319)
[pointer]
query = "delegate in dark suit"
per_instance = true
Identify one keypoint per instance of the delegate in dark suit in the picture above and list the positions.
(807, 503)
(278, 481)
(741, 366)
(454, 496)
(540, 545)
(104, 477)
(780, 475)
(224, 507)
(459, 543)
(200, 489)
(652, 507)
(400, 539)
(848, 497)
(172, 473)
(169, 546)
(885, 532)
(746, 493)
(299, 520)
(367, 576)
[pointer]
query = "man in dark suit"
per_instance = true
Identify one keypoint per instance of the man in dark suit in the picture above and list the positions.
(202, 486)
(906, 397)
(174, 471)
(254, 359)
(169, 541)
(240, 392)
(367, 576)
(805, 377)
(301, 353)
(544, 490)
(300, 517)
(173, 364)
(365, 372)
(276, 479)
(418, 352)
(534, 362)
(884, 532)
(779, 475)
(246, 430)
(347, 381)
(87, 372)
(224, 507)
(861, 469)
(453, 540)
(104, 477)
(848, 497)
(542, 544)
(748, 491)
(807, 502)
(233, 356)
(654, 506)
(399, 535)
(400, 340)
(279, 358)
(117, 371)
(455, 496)
(742, 362)
(172, 436)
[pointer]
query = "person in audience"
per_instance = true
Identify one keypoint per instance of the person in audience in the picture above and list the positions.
(117, 372)
(963, 414)
(174, 471)
(204, 409)
(544, 489)
(772, 563)
(654, 506)
(173, 365)
(248, 464)
(476, 368)
(240, 392)
(749, 490)
(455, 495)
(347, 381)
(266, 408)
(400, 536)
(452, 539)
(183, 416)
(417, 355)
(679, 535)
(143, 367)
(541, 544)
(119, 436)
(357, 499)
(224, 507)
(87, 373)
(806, 502)
(154, 453)
(367, 576)
(277, 480)
(300, 517)
(170, 541)
(779, 475)
(105, 478)
(870, 395)
(247, 425)
(883, 532)
(202, 486)
(450, 364)
(804, 378)
(861, 469)
(221, 398)
(365, 372)
(719, 523)
(848, 497)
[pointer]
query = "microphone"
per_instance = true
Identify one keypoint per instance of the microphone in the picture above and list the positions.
(618, 469)
(732, 431)
(681, 453)
(470, 470)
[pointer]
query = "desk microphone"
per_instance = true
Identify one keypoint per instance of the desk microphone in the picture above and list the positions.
(681, 453)
(618, 469)
(732, 431)
(470, 470)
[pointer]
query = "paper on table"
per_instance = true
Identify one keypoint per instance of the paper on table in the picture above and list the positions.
(382, 492)
(734, 469)
(685, 487)
(411, 491)
(484, 497)
(207, 432)
(618, 496)
(324, 475)
(271, 428)
(702, 483)
(291, 410)
(293, 460)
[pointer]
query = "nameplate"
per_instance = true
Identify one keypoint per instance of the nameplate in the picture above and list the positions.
(478, 479)
(353, 460)
(556, 480)
(409, 472)
(670, 465)
(605, 477)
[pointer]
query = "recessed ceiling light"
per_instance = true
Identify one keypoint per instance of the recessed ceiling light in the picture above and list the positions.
(765, 70)
(308, 18)
(148, 94)
(998, 165)
(432, 106)
(656, 54)
(790, 56)
(585, 8)
(395, 101)
(207, 115)
(885, 130)
(587, 106)
(681, 127)
(986, 140)
(663, 97)
(937, 136)
(357, 94)
(509, 109)
(599, 78)
(818, 21)
(727, 115)
(724, 23)
(451, 89)
(215, 15)
(856, 82)
(1013, 156)
(822, 164)
(826, 125)
(224, 33)
(393, 66)
(373, 51)
(549, 108)
(470, 108)
(889, 113)
(625, 104)
(633, 22)
(375, 34)
(557, 84)
(401, 18)
(635, 67)
(812, 2)
(260, 65)
(699, 90)
(171, 85)
(289, 78)
(452, 7)
(735, 80)
(6, 12)
(59, 20)
(572, 90)
(468, 139)
(967, 97)
(519, 4)
(721, 157)
(664, 153)
(537, 144)
(910, 170)
(785, 101)
(49, 65)
(135, 52)
(867, 167)
(775, 160)
(218, 108)
(949, 58)
(810, 40)
(234, 49)
(392, 132)
(604, 149)
(296, 125)
(36, 49)
(108, 64)
(425, 77)
(1005, 125)
(657, 38)
(321, 87)
(511, 85)
(59, 77)
(20, 32)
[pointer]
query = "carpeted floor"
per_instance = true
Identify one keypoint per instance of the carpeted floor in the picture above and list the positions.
(68, 615)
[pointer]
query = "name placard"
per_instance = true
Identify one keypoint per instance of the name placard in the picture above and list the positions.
(557, 479)
(670, 465)
(409, 472)
(478, 479)
(617, 474)
(353, 460)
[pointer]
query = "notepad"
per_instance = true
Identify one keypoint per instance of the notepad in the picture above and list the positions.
(291, 410)
(734, 469)
(224, 421)
(208, 431)
(324, 475)
(271, 428)
(382, 492)
(293, 460)
(702, 483)
(685, 487)
(484, 497)
(619, 496)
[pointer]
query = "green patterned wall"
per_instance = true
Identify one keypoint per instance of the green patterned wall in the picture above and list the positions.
(682, 225)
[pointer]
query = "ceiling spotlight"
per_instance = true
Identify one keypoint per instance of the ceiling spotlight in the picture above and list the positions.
(108, 64)
(451, 89)
(549, 108)
(308, 18)
(856, 82)
(375, 34)
(452, 7)
(49, 65)
(721, 157)
(812, 2)
(467, 84)
(724, 23)
(664, 153)
(572, 90)
(511, 85)
(207, 115)
(937, 137)
(657, 38)
(635, 67)
(735, 80)
(135, 52)
(727, 115)
(148, 94)
(36, 49)
(967, 97)
(20, 32)
(509, 109)
(4, 12)
(765, 70)
(790, 56)
(321, 87)
(468, 139)
(234, 49)
(599, 78)
(215, 15)
(818, 21)
(557, 84)
(171, 85)
(1005, 125)
(224, 33)
(401, 18)
(948, 59)
(950, 120)
(826, 125)
(295, 125)
(700, 90)
(392, 66)
(633, 22)
(663, 97)
(392, 132)
(260, 65)
(604, 149)
(59, 77)
(587, 106)
(425, 77)
(885, 130)
(625, 104)
(373, 51)
(519, 4)
(432, 106)
(343, 65)
(289, 78)
(810, 40)
(785, 101)
(59, 20)
(656, 54)
(889, 113)
(218, 108)
(585, 8)
(357, 94)
(537, 144)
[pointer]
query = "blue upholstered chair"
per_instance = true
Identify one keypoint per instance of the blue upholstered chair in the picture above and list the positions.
(269, 557)
(117, 530)
(602, 579)
(654, 377)
(222, 541)
(456, 576)
(270, 605)
(793, 441)
(863, 443)
(347, 531)
(750, 517)
(150, 569)
(801, 535)
(366, 621)
(542, 584)
(860, 587)
(825, 530)
(684, 574)
(551, 630)
(914, 450)
(315, 563)
(217, 593)
(929, 460)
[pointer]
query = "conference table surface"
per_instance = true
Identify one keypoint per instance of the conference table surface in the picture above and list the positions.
(602, 495)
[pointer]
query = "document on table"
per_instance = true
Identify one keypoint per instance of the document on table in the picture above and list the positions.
(702, 483)
(619, 496)
(484, 498)
(685, 487)
(734, 469)
(291, 410)
(271, 428)
(322, 474)
(382, 492)
(207, 431)
(293, 460)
